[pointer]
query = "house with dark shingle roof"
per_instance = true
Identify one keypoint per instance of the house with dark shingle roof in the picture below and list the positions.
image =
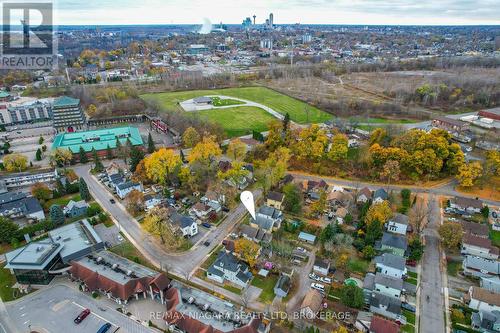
(17, 204)
(282, 286)
(478, 246)
(391, 265)
(481, 267)
(395, 244)
(384, 305)
(228, 267)
(275, 199)
(468, 205)
(398, 224)
(364, 195)
(186, 224)
(380, 195)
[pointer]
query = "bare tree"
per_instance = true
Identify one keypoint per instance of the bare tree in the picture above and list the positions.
(418, 215)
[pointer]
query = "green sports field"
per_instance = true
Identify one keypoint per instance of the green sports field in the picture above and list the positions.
(299, 111)
(237, 121)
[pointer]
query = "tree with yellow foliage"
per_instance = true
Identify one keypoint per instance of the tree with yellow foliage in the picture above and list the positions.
(190, 137)
(61, 156)
(311, 143)
(340, 147)
(247, 250)
(469, 173)
(236, 150)
(91, 110)
(161, 164)
(205, 151)
(380, 212)
(341, 329)
(234, 174)
(492, 164)
(271, 170)
(157, 224)
(15, 162)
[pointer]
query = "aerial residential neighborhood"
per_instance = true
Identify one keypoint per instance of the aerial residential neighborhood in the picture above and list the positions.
(315, 167)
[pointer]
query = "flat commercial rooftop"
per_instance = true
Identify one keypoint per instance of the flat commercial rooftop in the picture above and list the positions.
(104, 261)
(220, 314)
(97, 139)
(76, 237)
(70, 242)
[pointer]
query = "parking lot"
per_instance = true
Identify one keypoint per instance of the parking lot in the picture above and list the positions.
(54, 309)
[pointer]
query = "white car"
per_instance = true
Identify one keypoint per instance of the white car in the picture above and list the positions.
(314, 277)
(319, 287)
(326, 280)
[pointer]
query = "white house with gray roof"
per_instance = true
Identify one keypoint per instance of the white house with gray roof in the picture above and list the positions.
(481, 267)
(228, 267)
(267, 218)
(17, 205)
(398, 224)
(186, 224)
(125, 188)
(384, 305)
(391, 265)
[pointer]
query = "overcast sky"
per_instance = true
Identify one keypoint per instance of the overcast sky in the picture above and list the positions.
(425, 12)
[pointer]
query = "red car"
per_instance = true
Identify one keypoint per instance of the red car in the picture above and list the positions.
(82, 316)
(411, 263)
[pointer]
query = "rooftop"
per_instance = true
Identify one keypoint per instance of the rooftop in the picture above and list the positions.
(66, 101)
(97, 139)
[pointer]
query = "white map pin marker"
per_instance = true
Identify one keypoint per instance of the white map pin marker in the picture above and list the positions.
(247, 198)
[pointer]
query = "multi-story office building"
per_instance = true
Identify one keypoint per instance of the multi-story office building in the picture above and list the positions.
(68, 114)
(24, 110)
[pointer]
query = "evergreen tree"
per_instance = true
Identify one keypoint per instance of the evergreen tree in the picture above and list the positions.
(286, 122)
(136, 155)
(83, 155)
(97, 161)
(41, 140)
(109, 153)
(56, 214)
(151, 144)
(84, 190)
(38, 154)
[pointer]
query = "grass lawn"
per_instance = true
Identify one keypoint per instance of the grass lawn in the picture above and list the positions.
(278, 102)
(62, 201)
(453, 267)
(407, 328)
(237, 121)
(410, 317)
(495, 237)
(267, 285)
(216, 101)
(413, 275)
(7, 280)
(412, 281)
(127, 249)
(358, 265)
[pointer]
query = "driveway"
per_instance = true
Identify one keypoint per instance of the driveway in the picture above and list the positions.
(53, 309)
(304, 284)
(432, 304)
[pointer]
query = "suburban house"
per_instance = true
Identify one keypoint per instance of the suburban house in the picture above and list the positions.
(255, 234)
(485, 321)
(478, 246)
(151, 201)
(398, 224)
(306, 237)
(125, 188)
(475, 229)
(381, 325)
(17, 205)
(480, 299)
(380, 195)
(388, 285)
(391, 265)
(321, 266)
(186, 224)
(228, 267)
(311, 304)
(395, 244)
(275, 199)
(267, 218)
(480, 267)
(201, 210)
(490, 283)
(76, 208)
(364, 195)
(282, 286)
(384, 305)
(468, 205)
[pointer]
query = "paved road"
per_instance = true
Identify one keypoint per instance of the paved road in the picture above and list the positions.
(182, 265)
(295, 301)
(53, 309)
(432, 308)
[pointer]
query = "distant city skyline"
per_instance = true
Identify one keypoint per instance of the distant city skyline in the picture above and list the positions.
(383, 12)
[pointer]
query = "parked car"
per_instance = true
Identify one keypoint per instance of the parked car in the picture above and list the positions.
(206, 243)
(301, 249)
(314, 277)
(325, 279)
(104, 328)
(412, 263)
(408, 307)
(82, 316)
(225, 209)
(318, 286)
(112, 200)
(206, 225)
